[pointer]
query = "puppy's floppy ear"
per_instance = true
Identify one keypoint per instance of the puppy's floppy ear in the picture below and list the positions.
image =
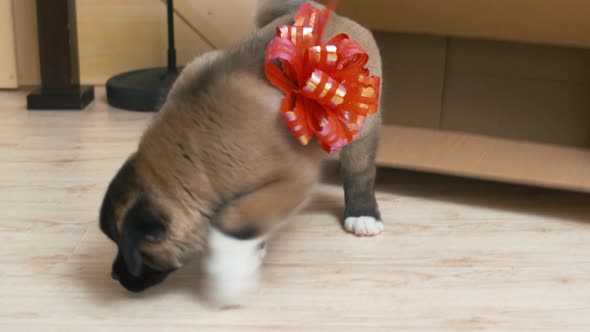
(141, 223)
(118, 192)
(269, 10)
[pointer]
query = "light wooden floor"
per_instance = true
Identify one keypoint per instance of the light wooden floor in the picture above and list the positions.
(457, 255)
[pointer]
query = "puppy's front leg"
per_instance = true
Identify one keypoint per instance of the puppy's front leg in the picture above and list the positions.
(237, 234)
(231, 267)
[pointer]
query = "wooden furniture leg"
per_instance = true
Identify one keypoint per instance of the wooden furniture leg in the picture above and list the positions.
(58, 52)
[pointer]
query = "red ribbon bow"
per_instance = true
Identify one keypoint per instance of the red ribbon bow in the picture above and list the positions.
(328, 90)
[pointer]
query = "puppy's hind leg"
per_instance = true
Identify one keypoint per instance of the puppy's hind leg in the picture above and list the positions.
(362, 217)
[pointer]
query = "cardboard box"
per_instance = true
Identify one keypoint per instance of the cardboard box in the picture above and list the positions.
(486, 89)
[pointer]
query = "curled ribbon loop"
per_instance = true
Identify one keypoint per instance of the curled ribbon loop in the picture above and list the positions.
(328, 91)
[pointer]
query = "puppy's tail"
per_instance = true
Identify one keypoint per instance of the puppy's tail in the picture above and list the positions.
(269, 10)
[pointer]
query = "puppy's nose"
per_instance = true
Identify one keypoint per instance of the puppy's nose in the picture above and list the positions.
(114, 275)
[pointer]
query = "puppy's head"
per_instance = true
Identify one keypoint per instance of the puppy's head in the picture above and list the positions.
(145, 227)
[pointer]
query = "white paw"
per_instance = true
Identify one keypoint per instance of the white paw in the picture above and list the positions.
(231, 268)
(230, 291)
(261, 251)
(363, 226)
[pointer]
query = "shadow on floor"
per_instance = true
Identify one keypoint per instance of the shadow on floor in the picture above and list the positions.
(569, 206)
(108, 292)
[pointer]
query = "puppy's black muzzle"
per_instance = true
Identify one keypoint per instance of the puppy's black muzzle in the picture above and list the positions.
(148, 277)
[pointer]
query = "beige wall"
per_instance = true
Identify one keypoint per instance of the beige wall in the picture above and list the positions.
(8, 78)
(27, 50)
(119, 35)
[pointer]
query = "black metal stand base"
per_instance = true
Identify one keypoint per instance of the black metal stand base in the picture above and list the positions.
(140, 90)
(76, 98)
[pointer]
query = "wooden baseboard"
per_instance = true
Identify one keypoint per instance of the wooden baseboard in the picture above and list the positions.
(485, 157)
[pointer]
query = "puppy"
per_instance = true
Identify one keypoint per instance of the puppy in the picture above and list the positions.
(218, 170)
